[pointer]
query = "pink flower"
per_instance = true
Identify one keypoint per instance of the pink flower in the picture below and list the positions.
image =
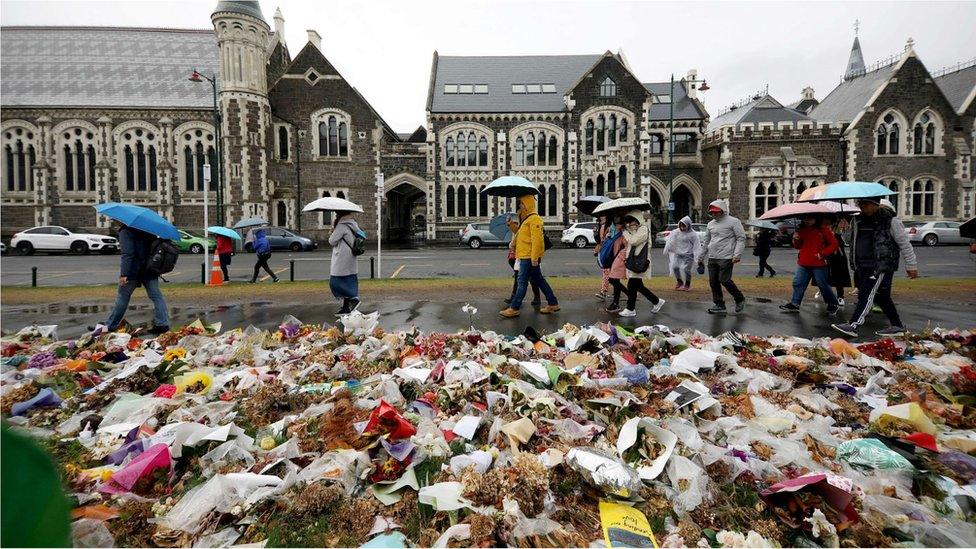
(165, 391)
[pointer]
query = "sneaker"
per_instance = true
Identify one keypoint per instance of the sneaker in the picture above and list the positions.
(275, 279)
(760, 275)
(509, 312)
(772, 274)
(657, 307)
(353, 304)
(840, 302)
(549, 309)
(891, 331)
(717, 310)
(740, 306)
(600, 295)
(817, 295)
(832, 310)
(846, 329)
(344, 310)
(627, 312)
(790, 308)
(687, 288)
(157, 330)
(612, 308)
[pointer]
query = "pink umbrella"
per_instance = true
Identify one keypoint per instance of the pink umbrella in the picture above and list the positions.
(796, 209)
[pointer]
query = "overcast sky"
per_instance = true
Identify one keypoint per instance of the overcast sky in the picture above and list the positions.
(384, 47)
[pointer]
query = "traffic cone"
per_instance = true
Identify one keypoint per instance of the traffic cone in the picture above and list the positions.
(216, 275)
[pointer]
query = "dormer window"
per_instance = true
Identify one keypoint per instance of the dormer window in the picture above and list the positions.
(608, 88)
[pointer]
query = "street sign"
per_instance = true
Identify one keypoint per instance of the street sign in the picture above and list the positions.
(670, 206)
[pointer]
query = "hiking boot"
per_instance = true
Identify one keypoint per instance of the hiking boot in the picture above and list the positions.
(549, 309)
(627, 313)
(790, 308)
(717, 309)
(846, 329)
(891, 331)
(740, 306)
(612, 308)
(509, 312)
(657, 307)
(157, 330)
(832, 310)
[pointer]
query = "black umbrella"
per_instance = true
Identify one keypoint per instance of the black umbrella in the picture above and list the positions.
(968, 229)
(587, 204)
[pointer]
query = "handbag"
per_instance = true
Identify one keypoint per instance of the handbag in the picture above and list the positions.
(637, 262)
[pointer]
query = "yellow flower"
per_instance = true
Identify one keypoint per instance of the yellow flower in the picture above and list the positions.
(174, 353)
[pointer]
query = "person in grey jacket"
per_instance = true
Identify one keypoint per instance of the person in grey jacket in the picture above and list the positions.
(344, 269)
(725, 239)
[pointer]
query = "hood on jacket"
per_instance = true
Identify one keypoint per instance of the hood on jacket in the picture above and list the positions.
(528, 204)
(259, 233)
(720, 204)
(686, 220)
(638, 215)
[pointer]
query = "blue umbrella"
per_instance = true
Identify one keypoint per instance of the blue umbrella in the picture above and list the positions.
(250, 222)
(224, 231)
(498, 226)
(845, 190)
(510, 186)
(140, 218)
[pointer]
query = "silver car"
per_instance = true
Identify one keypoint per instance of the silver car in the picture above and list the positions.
(933, 233)
(476, 235)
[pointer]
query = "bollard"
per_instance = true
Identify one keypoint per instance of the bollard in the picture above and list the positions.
(372, 267)
(291, 270)
(203, 273)
(33, 277)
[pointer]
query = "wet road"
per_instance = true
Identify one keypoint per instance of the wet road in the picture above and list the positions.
(68, 270)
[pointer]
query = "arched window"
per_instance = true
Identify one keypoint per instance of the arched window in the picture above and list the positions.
(552, 150)
(198, 149)
(323, 139)
(541, 200)
(530, 150)
(924, 134)
(923, 197)
(612, 182)
(767, 197)
(800, 188)
(657, 144)
(612, 131)
(600, 187)
(461, 203)
(462, 142)
(326, 219)
(588, 188)
(472, 201)
(283, 145)
(622, 177)
(589, 137)
(333, 136)
(893, 186)
(929, 198)
(483, 151)
(888, 135)
(552, 197)
(139, 158)
(540, 154)
(472, 149)
(608, 88)
(449, 151)
(19, 157)
(482, 201)
(601, 123)
(77, 166)
(519, 152)
(623, 131)
(450, 202)
(282, 214)
(343, 139)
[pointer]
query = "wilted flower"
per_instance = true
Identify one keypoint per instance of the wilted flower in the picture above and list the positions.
(174, 353)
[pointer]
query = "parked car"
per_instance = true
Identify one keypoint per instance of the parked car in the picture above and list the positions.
(193, 242)
(284, 239)
(660, 237)
(933, 233)
(59, 239)
(580, 235)
(784, 236)
(476, 235)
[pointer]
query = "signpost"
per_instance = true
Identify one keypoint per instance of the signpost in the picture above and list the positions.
(206, 220)
(379, 224)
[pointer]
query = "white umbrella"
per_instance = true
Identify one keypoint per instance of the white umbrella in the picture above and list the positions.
(622, 204)
(332, 204)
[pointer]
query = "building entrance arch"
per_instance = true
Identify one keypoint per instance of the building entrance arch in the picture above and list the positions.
(405, 210)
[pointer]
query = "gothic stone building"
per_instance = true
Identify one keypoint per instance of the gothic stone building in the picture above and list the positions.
(895, 123)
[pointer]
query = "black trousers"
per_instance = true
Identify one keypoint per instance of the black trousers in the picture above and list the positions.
(635, 285)
(719, 275)
(764, 265)
(618, 289)
(263, 263)
(224, 262)
(876, 288)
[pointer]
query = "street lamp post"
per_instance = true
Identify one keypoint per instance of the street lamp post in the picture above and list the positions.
(197, 77)
(703, 87)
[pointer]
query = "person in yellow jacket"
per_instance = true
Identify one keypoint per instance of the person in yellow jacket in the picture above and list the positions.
(529, 248)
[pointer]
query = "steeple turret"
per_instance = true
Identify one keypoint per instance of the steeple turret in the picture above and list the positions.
(855, 65)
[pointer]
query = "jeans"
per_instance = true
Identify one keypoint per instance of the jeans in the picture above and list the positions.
(876, 288)
(802, 279)
(263, 262)
(635, 285)
(764, 265)
(535, 288)
(720, 274)
(160, 313)
(526, 273)
(682, 269)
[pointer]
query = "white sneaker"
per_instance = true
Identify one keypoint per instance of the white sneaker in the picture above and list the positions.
(627, 312)
(818, 295)
(660, 303)
(840, 302)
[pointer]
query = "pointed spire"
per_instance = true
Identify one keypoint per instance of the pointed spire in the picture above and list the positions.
(855, 65)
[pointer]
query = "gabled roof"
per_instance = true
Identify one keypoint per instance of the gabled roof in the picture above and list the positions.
(105, 67)
(685, 108)
(499, 73)
(958, 87)
(761, 109)
(851, 96)
(804, 105)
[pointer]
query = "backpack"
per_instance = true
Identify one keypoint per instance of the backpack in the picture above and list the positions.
(358, 245)
(605, 257)
(162, 257)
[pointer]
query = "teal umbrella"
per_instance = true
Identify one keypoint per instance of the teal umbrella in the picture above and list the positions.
(845, 190)
(140, 218)
(510, 186)
(224, 231)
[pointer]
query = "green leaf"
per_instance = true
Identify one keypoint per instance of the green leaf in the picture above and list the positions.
(33, 507)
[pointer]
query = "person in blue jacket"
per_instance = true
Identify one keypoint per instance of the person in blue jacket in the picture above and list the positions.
(135, 245)
(263, 250)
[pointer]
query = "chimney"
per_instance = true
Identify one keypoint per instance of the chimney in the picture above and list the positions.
(808, 93)
(279, 21)
(691, 84)
(315, 39)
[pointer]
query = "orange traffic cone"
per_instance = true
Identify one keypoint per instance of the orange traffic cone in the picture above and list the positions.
(216, 275)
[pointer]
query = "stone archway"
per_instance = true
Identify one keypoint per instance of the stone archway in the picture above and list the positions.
(405, 210)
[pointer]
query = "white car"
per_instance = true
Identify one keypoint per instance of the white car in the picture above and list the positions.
(580, 235)
(933, 233)
(59, 239)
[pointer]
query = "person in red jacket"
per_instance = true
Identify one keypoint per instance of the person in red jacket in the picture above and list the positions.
(225, 249)
(816, 242)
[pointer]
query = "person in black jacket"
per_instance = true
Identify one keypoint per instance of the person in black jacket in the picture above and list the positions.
(135, 245)
(764, 247)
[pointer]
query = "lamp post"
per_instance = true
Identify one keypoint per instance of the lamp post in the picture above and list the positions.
(197, 77)
(703, 87)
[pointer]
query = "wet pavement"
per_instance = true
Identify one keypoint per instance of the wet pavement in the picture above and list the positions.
(761, 317)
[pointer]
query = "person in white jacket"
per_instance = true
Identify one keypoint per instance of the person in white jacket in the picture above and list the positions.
(637, 246)
(683, 246)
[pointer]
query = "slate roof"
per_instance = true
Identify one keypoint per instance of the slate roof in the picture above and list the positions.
(761, 109)
(685, 108)
(105, 67)
(804, 105)
(851, 96)
(499, 73)
(958, 85)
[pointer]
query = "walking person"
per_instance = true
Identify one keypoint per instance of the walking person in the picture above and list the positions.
(344, 269)
(225, 250)
(683, 246)
(618, 269)
(135, 248)
(513, 226)
(838, 273)
(878, 238)
(529, 249)
(724, 242)
(816, 242)
(764, 247)
(263, 250)
(605, 229)
(636, 236)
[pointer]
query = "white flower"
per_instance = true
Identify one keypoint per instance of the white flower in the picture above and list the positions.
(470, 309)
